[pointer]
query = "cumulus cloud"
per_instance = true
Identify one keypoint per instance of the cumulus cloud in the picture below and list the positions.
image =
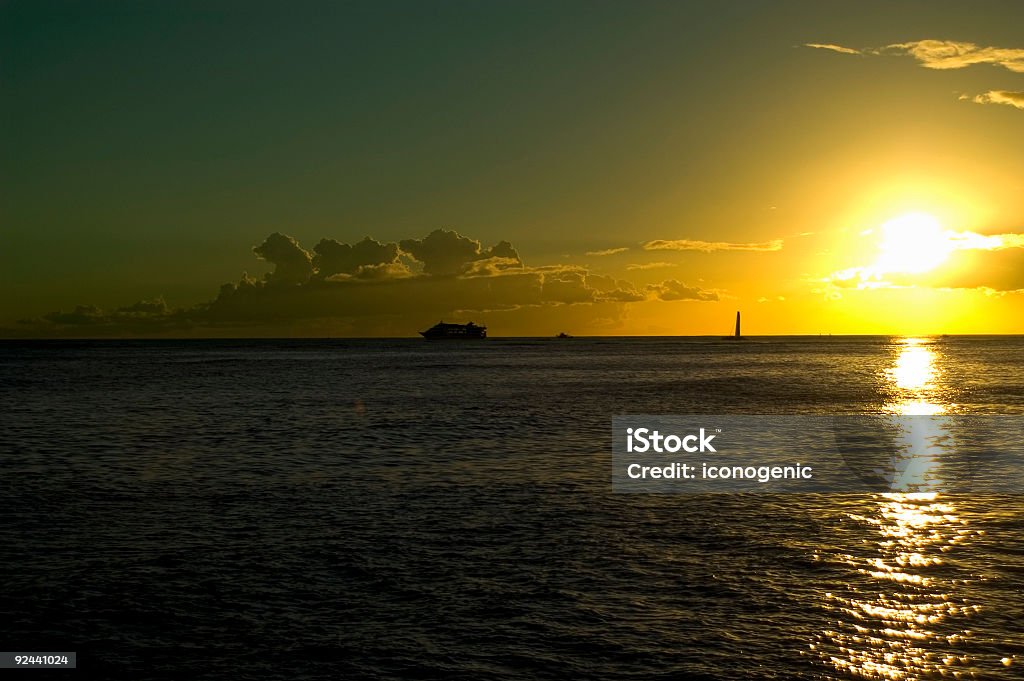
(367, 287)
(1008, 97)
(609, 289)
(144, 309)
(81, 315)
(671, 289)
(334, 258)
(622, 295)
(503, 249)
(424, 295)
(446, 252)
(142, 315)
(608, 251)
(489, 267)
(709, 246)
(292, 263)
(443, 251)
(566, 287)
(384, 270)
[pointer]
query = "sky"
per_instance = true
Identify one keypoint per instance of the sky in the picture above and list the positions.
(600, 168)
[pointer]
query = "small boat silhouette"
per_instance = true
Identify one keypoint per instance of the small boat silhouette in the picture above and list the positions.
(735, 336)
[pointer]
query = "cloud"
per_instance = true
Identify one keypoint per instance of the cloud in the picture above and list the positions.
(489, 267)
(952, 54)
(649, 265)
(334, 258)
(1001, 271)
(941, 54)
(446, 252)
(417, 296)
(968, 260)
(367, 288)
(566, 287)
(81, 315)
(608, 251)
(610, 289)
(834, 48)
(622, 295)
(292, 264)
(141, 315)
(671, 289)
(709, 246)
(384, 270)
(1009, 97)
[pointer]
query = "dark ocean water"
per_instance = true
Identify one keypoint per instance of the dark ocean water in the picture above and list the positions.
(402, 509)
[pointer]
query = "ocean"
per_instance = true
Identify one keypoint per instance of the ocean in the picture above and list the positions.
(385, 509)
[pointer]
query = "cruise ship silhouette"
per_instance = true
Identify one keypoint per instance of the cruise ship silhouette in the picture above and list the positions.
(442, 331)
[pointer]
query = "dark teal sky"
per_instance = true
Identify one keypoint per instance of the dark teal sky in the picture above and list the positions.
(149, 145)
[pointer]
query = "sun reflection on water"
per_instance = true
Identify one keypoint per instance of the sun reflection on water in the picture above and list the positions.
(915, 366)
(919, 443)
(904, 617)
(916, 379)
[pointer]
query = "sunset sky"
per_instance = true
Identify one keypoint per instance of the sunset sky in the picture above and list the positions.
(625, 168)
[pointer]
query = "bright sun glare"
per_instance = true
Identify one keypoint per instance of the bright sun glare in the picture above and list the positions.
(913, 243)
(916, 243)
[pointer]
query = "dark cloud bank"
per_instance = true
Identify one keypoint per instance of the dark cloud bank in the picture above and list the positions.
(374, 288)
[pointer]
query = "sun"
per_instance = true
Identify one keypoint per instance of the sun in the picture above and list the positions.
(913, 243)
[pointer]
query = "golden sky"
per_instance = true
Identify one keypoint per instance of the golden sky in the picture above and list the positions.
(198, 169)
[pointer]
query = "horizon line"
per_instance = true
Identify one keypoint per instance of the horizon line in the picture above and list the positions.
(484, 340)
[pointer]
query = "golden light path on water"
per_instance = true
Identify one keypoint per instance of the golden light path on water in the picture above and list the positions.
(903, 618)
